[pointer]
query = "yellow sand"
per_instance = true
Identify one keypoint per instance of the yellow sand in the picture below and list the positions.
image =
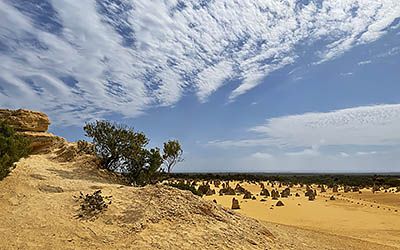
(351, 214)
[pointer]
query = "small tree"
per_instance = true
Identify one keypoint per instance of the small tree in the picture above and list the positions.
(119, 147)
(12, 148)
(152, 169)
(122, 149)
(172, 154)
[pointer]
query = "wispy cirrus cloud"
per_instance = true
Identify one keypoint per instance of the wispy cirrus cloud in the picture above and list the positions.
(377, 125)
(85, 59)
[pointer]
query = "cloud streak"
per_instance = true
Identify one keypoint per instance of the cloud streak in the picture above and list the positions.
(377, 125)
(80, 60)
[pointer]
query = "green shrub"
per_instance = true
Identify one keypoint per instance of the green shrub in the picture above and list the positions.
(121, 149)
(12, 148)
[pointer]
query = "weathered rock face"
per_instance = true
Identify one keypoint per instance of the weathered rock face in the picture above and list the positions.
(25, 120)
(32, 125)
(42, 142)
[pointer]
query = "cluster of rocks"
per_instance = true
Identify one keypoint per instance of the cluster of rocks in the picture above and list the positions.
(32, 125)
(226, 190)
(205, 189)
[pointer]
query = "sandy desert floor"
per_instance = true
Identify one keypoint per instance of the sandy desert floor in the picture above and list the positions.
(373, 218)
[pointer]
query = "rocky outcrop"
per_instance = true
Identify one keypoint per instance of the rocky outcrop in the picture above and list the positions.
(32, 125)
(42, 142)
(25, 120)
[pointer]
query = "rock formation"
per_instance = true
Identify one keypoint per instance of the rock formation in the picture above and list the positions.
(235, 203)
(265, 192)
(311, 196)
(285, 193)
(227, 191)
(239, 189)
(274, 194)
(33, 126)
(280, 204)
(25, 120)
(247, 195)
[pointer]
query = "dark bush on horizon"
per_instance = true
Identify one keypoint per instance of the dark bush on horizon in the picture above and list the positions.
(183, 186)
(12, 148)
(359, 180)
(121, 149)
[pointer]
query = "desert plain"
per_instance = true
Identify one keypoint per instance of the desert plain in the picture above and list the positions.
(362, 215)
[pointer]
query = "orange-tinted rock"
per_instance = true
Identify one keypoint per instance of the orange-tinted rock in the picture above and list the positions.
(25, 120)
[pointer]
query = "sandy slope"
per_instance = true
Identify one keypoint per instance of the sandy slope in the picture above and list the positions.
(38, 211)
(351, 215)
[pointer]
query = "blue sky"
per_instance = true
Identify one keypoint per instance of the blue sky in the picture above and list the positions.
(245, 85)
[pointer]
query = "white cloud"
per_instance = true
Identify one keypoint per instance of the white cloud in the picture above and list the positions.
(365, 62)
(313, 151)
(261, 155)
(87, 68)
(366, 153)
(377, 125)
(346, 74)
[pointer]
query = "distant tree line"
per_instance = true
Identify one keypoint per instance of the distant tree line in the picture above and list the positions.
(122, 149)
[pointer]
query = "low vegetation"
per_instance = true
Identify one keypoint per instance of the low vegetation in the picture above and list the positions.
(12, 148)
(92, 204)
(122, 149)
